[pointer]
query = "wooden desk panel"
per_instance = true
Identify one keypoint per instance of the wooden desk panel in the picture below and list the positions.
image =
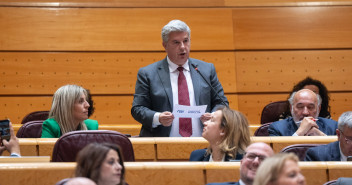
(171, 4)
(161, 173)
(28, 147)
(280, 142)
(25, 159)
(144, 149)
(173, 148)
(339, 169)
(222, 172)
(314, 172)
(35, 173)
(46, 146)
(172, 173)
(264, 139)
(132, 129)
(168, 149)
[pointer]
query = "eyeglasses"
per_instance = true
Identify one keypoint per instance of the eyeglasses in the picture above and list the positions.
(348, 141)
(252, 156)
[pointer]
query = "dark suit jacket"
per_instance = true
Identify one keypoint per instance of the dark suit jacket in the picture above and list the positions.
(225, 183)
(288, 127)
(329, 152)
(153, 93)
(200, 155)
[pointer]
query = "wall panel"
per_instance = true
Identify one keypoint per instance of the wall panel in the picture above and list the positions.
(109, 29)
(279, 71)
(309, 27)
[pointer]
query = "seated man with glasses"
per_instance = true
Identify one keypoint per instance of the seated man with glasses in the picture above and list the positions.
(253, 157)
(338, 150)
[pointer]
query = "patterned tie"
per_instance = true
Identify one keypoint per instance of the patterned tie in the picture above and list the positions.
(185, 124)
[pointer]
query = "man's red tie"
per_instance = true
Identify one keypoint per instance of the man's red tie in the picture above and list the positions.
(185, 124)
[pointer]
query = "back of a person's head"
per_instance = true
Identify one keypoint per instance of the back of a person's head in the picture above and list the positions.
(237, 134)
(271, 168)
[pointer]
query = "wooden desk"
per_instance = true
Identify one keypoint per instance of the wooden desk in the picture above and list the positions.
(161, 173)
(28, 147)
(222, 172)
(169, 148)
(131, 129)
(35, 173)
(339, 169)
(46, 146)
(144, 149)
(25, 159)
(314, 172)
(173, 148)
(154, 173)
(280, 142)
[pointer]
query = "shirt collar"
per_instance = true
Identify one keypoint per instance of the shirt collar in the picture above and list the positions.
(241, 182)
(343, 157)
(173, 67)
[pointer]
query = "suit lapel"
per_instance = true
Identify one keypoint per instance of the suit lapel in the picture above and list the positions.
(322, 127)
(292, 127)
(195, 80)
(335, 151)
(164, 75)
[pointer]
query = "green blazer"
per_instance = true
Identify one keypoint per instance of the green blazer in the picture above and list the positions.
(51, 128)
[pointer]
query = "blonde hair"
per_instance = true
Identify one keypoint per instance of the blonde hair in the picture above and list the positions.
(236, 130)
(271, 168)
(62, 107)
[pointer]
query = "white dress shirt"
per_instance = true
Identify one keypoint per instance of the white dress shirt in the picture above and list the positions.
(196, 123)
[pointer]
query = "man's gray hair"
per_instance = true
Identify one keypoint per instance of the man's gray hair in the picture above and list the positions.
(294, 93)
(345, 119)
(172, 26)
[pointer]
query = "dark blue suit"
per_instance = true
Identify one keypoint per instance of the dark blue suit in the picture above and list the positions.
(201, 155)
(329, 152)
(288, 127)
(224, 183)
(153, 93)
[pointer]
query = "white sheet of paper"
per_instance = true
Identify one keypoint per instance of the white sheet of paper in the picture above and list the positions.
(184, 111)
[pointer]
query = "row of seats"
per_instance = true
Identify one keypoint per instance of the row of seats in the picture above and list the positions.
(270, 113)
(33, 121)
(161, 173)
(153, 149)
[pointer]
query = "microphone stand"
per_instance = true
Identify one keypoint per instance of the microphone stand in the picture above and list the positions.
(217, 94)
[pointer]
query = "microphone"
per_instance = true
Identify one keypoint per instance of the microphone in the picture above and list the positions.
(217, 94)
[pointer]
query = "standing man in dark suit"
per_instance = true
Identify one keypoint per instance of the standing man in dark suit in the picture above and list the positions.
(172, 81)
(338, 150)
(305, 108)
(254, 156)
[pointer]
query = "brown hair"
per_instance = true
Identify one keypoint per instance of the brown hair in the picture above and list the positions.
(91, 157)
